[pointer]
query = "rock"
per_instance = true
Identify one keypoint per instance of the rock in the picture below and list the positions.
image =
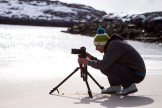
(142, 27)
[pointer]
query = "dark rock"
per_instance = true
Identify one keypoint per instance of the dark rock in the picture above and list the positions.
(140, 27)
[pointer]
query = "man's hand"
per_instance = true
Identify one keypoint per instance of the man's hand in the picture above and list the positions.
(82, 60)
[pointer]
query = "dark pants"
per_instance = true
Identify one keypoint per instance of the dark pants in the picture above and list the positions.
(121, 75)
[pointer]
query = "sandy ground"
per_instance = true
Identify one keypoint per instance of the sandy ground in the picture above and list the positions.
(73, 93)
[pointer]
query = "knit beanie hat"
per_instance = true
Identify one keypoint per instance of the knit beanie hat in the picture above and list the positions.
(101, 37)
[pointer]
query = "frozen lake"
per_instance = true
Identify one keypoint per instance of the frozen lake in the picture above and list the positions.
(33, 53)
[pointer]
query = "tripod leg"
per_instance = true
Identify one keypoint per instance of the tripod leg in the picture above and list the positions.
(89, 90)
(56, 88)
(101, 87)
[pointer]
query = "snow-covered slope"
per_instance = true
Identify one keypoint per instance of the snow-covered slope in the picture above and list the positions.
(51, 11)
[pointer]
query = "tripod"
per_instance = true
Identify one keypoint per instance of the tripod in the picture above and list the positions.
(84, 75)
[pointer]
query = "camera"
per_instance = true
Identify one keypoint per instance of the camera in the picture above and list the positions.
(81, 52)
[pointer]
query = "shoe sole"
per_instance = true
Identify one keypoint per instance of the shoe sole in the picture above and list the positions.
(128, 93)
(109, 93)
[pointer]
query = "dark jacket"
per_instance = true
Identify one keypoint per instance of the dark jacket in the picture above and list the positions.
(118, 51)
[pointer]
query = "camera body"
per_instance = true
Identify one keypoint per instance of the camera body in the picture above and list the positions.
(81, 52)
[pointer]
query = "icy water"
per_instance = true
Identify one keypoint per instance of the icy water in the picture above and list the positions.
(32, 52)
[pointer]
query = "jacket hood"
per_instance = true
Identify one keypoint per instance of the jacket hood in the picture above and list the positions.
(113, 37)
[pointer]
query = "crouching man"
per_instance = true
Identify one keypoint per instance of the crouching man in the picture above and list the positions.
(121, 63)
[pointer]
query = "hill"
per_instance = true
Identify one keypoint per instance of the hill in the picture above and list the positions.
(51, 13)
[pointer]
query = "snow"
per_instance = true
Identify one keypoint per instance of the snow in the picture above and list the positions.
(35, 10)
(158, 18)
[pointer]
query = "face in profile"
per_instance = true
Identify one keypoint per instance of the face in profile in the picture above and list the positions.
(100, 48)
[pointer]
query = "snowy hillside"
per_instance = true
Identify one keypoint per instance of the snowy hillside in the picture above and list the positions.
(42, 11)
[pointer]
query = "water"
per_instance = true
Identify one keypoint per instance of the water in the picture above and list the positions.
(32, 52)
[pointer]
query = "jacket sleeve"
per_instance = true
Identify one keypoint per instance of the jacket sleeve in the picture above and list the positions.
(114, 51)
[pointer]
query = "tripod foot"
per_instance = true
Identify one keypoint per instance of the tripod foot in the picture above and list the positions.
(90, 94)
(50, 92)
(53, 91)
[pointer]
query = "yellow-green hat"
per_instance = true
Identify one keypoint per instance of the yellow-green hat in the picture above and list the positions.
(101, 37)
